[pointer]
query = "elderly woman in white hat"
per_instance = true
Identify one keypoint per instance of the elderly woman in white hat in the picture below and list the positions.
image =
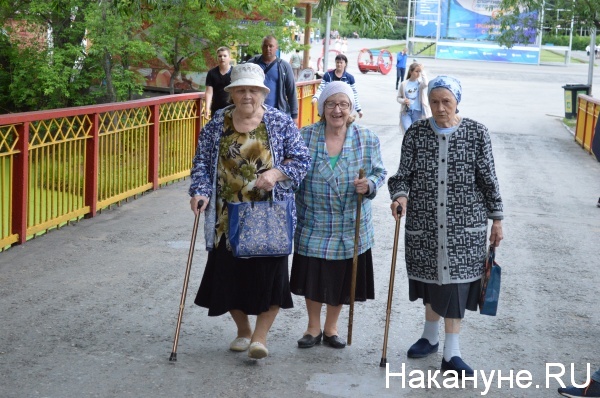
(247, 152)
(327, 204)
(447, 186)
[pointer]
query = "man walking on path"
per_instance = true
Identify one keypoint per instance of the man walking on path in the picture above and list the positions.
(401, 66)
(279, 78)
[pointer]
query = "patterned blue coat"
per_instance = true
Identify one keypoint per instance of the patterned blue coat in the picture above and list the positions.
(327, 199)
(452, 189)
(285, 142)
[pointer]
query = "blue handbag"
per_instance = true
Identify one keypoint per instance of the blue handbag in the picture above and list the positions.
(260, 229)
(490, 285)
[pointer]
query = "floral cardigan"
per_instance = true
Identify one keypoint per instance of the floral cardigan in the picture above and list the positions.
(286, 144)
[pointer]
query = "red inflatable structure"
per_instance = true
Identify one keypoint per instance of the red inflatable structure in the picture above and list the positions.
(375, 60)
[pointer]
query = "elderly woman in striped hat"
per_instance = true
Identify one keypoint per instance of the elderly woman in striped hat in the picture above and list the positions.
(327, 204)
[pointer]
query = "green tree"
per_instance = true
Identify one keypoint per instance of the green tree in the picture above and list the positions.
(585, 13)
(375, 16)
(113, 46)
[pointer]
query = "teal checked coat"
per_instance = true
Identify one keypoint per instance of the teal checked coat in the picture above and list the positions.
(326, 201)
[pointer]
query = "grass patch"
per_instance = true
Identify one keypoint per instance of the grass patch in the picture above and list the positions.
(571, 123)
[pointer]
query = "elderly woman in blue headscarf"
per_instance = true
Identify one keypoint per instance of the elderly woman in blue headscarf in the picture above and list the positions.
(446, 186)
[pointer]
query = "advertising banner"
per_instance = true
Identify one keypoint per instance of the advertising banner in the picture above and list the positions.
(464, 19)
(426, 17)
(490, 53)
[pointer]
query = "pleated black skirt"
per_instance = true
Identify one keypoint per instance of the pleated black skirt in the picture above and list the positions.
(448, 301)
(250, 285)
(329, 281)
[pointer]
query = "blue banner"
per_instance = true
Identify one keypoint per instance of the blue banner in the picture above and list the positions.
(520, 55)
(465, 19)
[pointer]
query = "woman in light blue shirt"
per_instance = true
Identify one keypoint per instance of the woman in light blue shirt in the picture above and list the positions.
(412, 95)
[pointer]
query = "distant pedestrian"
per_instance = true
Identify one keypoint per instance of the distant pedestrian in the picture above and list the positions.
(412, 96)
(296, 63)
(217, 79)
(344, 49)
(279, 78)
(401, 59)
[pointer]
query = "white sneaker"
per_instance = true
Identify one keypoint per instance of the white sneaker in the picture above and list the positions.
(240, 344)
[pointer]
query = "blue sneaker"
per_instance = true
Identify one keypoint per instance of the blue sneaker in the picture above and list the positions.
(591, 390)
(422, 348)
(458, 365)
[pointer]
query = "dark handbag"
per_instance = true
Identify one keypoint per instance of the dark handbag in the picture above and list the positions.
(490, 285)
(260, 229)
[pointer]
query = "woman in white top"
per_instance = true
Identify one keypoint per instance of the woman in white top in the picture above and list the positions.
(412, 96)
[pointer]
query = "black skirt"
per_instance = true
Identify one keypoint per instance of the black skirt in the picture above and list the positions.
(448, 301)
(328, 281)
(250, 285)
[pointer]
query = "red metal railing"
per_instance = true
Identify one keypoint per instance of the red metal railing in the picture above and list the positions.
(61, 165)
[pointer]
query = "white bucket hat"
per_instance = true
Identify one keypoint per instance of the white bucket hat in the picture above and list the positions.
(247, 74)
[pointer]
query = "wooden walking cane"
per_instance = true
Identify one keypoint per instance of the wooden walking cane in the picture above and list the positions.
(391, 288)
(186, 279)
(361, 174)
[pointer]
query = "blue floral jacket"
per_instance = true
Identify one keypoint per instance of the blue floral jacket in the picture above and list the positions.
(286, 144)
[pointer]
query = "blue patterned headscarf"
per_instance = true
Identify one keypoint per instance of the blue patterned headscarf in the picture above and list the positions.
(447, 82)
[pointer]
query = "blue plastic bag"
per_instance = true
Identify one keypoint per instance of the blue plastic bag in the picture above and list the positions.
(490, 285)
(260, 229)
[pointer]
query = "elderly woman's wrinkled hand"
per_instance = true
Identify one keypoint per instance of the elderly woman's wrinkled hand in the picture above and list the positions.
(361, 185)
(267, 180)
(400, 201)
(194, 203)
(496, 234)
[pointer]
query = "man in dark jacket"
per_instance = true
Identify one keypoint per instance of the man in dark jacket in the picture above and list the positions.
(279, 77)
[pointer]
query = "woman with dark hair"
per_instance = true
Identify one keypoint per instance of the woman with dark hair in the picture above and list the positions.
(339, 74)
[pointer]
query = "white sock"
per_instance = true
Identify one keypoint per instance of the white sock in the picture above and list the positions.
(451, 346)
(431, 332)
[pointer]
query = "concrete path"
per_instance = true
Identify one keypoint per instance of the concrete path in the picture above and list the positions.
(90, 310)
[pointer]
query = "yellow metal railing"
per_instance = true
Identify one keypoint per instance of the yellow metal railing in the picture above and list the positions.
(61, 165)
(587, 117)
(55, 182)
(123, 154)
(8, 141)
(177, 139)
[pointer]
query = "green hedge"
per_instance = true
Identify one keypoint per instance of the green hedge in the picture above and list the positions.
(579, 42)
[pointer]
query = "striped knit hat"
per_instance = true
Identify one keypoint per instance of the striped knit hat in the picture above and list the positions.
(336, 88)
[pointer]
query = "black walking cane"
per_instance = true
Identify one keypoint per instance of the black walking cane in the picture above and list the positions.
(391, 288)
(186, 279)
(361, 174)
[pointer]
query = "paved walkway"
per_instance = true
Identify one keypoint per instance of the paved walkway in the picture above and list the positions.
(90, 310)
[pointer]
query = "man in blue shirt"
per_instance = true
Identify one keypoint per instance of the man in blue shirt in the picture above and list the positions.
(279, 77)
(401, 66)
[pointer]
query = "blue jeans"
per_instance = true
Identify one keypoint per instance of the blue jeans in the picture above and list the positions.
(399, 75)
(409, 118)
(596, 376)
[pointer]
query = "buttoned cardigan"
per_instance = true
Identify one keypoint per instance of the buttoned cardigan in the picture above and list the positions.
(452, 189)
